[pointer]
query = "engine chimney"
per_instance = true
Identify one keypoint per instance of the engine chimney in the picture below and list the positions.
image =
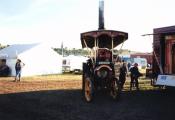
(101, 15)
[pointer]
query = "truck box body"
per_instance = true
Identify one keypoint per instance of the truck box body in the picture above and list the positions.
(164, 50)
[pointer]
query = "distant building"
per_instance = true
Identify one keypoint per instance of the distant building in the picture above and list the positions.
(148, 56)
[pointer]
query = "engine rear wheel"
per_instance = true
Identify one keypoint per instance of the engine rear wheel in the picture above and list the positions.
(88, 89)
(115, 89)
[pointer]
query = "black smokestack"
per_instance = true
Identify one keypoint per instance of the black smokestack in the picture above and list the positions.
(101, 14)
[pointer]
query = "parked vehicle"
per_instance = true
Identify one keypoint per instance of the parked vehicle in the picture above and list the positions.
(142, 64)
(164, 56)
(73, 63)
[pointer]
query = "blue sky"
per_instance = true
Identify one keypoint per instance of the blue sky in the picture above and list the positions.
(54, 21)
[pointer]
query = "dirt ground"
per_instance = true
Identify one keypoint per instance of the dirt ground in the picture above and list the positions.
(59, 98)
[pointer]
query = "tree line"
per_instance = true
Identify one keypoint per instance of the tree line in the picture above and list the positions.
(3, 46)
(83, 52)
(74, 51)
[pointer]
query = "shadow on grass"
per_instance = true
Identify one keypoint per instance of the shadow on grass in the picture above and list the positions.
(68, 105)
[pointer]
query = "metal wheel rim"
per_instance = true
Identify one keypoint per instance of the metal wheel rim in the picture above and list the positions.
(114, 91)
(88, 90)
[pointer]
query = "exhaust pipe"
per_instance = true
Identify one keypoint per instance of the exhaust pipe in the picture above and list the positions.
(101, 15)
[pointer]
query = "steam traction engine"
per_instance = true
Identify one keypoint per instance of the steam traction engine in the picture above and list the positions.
(99, 71)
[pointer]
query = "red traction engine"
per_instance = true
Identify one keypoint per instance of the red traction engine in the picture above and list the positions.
(98, 71)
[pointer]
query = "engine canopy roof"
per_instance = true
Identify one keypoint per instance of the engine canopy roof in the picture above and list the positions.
(103, 37)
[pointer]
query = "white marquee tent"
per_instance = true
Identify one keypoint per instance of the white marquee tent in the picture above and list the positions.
(39, 59)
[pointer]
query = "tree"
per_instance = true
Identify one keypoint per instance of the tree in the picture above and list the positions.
(3, 46)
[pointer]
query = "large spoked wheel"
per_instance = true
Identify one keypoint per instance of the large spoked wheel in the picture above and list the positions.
(88, 89)
(115, 89)
(87, 86)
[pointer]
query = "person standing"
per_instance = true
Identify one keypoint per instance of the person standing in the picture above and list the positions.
(135, 74)
(18, 68)
(129, 65)
(122, 75)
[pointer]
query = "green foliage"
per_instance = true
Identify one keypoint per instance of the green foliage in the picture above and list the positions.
(84, 52)
(3, 46)
(73, 51)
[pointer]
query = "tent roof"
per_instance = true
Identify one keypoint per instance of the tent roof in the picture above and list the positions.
(13, 51)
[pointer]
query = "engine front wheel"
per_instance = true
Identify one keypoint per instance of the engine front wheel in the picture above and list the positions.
(88, 89)
(115, 89)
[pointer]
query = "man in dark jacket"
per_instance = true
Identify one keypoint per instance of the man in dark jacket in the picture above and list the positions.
(18, 67)
(122, 75)
(135, 74)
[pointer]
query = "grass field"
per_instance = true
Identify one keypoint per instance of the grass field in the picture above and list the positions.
(38, 83)
(54, 82)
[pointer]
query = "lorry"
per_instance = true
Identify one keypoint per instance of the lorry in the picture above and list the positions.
(164, 56)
